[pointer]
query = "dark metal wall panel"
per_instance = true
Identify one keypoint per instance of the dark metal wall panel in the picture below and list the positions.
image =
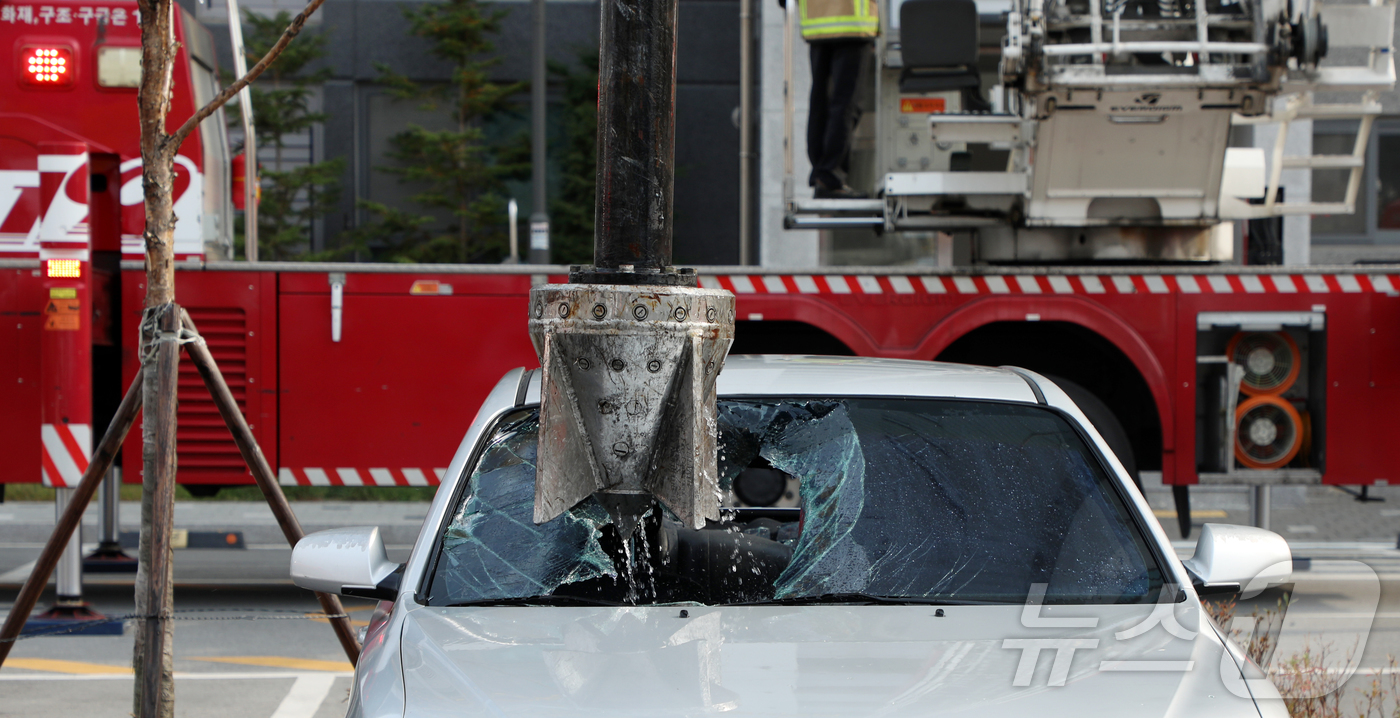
(707, 175)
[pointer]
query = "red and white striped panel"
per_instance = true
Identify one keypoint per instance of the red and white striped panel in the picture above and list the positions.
(66, 450)
(900, 284)
(353, 476)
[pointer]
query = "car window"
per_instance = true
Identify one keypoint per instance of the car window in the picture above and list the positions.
(918, 499)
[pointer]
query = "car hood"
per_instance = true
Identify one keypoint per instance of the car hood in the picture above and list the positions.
(815, 661)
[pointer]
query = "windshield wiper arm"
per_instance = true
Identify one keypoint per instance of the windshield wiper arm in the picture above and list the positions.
(544, 600)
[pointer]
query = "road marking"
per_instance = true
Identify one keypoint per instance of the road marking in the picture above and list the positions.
(74, 667)
(305, 697)
(305, 664)
(1202, 514)
(179, 675)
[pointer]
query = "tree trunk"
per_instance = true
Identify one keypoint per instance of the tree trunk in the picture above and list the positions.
(153, 656)
(157, 154)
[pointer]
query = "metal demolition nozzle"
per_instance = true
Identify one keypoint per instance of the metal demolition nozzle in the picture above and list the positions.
(628, 399)
(631, 346)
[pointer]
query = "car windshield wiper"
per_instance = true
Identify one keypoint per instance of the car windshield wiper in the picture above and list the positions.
(866, 598)
(548, 600)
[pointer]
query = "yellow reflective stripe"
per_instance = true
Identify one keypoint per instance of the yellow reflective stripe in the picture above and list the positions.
(853, 21)
(864, 22)
(869, 31)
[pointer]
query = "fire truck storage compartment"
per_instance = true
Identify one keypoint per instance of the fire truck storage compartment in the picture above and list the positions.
(1261, 395)
(232, 312)
(388, 399)
(21, 321)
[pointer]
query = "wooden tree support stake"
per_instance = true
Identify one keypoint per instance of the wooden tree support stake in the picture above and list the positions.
(72, 515)
(262, 473)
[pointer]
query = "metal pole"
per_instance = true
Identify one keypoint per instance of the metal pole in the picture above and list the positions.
(539, 213)
(250, 140)
(1260, 507)
(745, 129)
(789, 19)
(109, 502)
(513, 216)
(72, 515)
(109, 556)
(69, 574)
(636, 139)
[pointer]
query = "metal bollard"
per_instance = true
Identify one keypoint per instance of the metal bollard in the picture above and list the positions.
(109, 504)
(69, 615)
(1259, 507)
(69, 573)
(109, 557)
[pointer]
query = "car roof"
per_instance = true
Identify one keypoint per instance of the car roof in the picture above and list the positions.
(787, 375)
(796, 375)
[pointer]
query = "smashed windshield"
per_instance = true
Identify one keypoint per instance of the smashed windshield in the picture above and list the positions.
(905, 499)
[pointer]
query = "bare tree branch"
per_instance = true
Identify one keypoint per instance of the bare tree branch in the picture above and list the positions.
(177, 138)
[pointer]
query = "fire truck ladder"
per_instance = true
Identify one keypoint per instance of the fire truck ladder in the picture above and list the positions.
(1367, 28)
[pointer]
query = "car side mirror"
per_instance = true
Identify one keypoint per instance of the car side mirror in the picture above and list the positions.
(1239, 559)
(350, 561)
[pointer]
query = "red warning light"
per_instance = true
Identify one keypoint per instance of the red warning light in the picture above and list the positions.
(64, 269)
(47, 66)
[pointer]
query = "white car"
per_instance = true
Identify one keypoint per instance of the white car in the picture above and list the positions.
(900, 539)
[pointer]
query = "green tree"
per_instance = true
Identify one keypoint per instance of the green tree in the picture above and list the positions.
(460, 172)
(571, 212)
(293, 198)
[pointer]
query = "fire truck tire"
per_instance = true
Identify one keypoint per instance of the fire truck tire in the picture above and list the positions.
(203, 491)
(1105, 422)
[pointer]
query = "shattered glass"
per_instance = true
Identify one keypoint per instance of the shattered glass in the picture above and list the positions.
(941, 500)
(493, 549)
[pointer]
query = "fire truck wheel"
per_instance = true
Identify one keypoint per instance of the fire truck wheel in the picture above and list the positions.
(1105, 422)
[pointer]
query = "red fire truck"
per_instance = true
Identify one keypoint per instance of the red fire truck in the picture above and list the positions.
(356, 374)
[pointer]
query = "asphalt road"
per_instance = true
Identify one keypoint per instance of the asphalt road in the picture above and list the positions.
(245, 645)
(259, 654)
